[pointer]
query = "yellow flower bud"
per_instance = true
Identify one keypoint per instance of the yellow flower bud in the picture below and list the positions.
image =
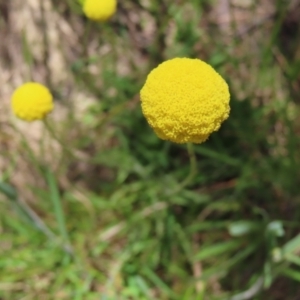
(32, 101)
(185, 100)
(99, 10)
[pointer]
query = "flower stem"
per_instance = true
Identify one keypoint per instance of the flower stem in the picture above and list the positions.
(193, 168)
(86, 36)
(65, 149)
(58, 210)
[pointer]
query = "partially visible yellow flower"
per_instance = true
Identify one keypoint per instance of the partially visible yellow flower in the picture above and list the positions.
(32, 101)
(185, 100)
(99, 10)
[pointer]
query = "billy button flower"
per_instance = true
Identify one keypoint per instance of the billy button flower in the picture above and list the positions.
(184, 100)
(32, 101)
(99, 10)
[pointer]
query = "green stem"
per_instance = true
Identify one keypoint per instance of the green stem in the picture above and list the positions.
(24, 208)
(44, 28)
(28, 214)
(66, 150)
(58, 210)
(86, 35)
(193, 168)
(30, 152)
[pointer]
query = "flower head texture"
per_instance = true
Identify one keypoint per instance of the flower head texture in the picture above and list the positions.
(32, 101)
(99, 10)
(185, 100)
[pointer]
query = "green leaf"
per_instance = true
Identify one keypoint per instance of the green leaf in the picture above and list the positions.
(292, 245)
(218, 156)
(293, 274)
(293, 259)
(158, 282)
(218, 249)
(276, 228)
(243, 227)
(8, 190)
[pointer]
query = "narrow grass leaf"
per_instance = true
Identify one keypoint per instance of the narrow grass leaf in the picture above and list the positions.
(292, 245)
(293, 259)
(8, 191)
(216, 155)
(58, 209)
(243, 227)
(159, 283)
(290, 273)
(218, 249)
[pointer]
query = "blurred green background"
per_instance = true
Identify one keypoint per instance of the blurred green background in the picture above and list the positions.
(91, 205)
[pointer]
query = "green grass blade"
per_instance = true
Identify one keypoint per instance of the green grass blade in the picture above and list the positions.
(293, 259)
(8, 190)
(293, 274)
(292, 245)
(58, 209)
(159, 283)
(217, 249)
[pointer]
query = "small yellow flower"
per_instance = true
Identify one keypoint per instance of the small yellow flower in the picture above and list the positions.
(99, 10)
(185, 100)
(32, 101)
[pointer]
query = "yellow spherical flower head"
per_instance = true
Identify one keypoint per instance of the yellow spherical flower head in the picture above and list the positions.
(32, 101)
(185, 100)
(99, 10)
